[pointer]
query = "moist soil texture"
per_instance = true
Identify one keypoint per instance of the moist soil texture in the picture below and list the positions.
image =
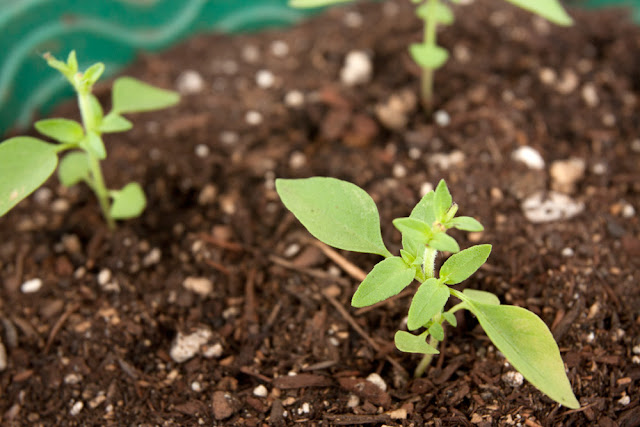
(216, 307)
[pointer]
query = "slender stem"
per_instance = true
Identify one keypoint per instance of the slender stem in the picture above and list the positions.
(426, 360)
(429, 262)
(99, 187)
(430, 27)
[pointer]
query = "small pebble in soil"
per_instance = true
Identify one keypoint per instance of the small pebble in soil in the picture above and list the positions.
(265, 79)
(442, 118)
(591, 337)
(305, 408)
(568, 82)
(624, 400)
(76, 408)
(553, 206)
(250, 53)
(376, 379)
(590, 95)
(635, 145)
(213, 351)
(357, 69)
(513, 378)
(529, 156)
(565, 174)
(353, 401)
(3, 357)
(199, 285)
(60, 206)
(425, 188)
(202, 150)
(446, 161)
(414, 153)
(398, 414)
(185, 347)
(294, 99)
(297, 160)
(152, 257)
(568, 252)
(352, 19)
(609, 120)
(291, 250)
(72, 378)
(228, 137)
(599, 168)
(196, 386)
(253, 118)
(279, 48)
(207, 195)
(104, 276)
(547, 76)
(71, 243)
(189, 82)
(43, 195)
(628, 211)
(260, 391)
(31, 286)
(399, 171)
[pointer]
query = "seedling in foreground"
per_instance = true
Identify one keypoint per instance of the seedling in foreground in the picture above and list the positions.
(427, 54)
(27, 162)
(344, 216)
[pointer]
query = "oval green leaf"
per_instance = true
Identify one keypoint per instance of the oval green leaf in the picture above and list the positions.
(450, 318)
(427, 56)
(73, 168)
(442, 201)
(428, 301)
(527, 343)
(95, 145)
(25, 164)
(410, 343)
(114, 122)
(388, 278)
(336, 212)
(443, 13)
(62, 130)
(93, 73)
(460, 266)
(481, 296)
(131, 96)
(548, 9)
(465, 223)
(437, 331)
(128, 202)
(443, 242)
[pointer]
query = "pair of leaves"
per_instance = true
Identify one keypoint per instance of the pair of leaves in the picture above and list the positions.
(526, 342)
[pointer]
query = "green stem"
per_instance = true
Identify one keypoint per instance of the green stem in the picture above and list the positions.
(99, 187)
(429, 262)
(426, 360)
(430, 27)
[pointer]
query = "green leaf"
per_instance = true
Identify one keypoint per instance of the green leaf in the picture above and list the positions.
(62, 130)
(336, 212)
(95, 109)
(73, 168)
(442, 201)
(465, 223)
(451, 318)
(481, 296)
(415, 233)
(25, 164)
(436, 331)
(444, 15)
(388, 278)
(410, 343)
(528, 345)
(304, 4)
(131, 96)
(128, 202)
(424, 210)
(95, 145)
(460, 266)
(57, 64)
(548, 9)
(428, 56)
(428, 301)
(93, 73)
(114, 122)
(72, 62)
(443, 242)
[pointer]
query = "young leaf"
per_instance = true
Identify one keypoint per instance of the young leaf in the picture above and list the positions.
(95, 145)
(73, 168)
(95, 109)
(415, 231)
(410, 343)
(25, 164)
(436, 331)
(131, 96)
(114, 122)
(444, 15)
(428, 56)
(527, 343)
(460, 266)
(93, 73)
(62, 130)
(388, 278)
(424, 210)
(481, 296)
(443, 242)
(128, 202)
(72, 62)
(465, 223)
(302, 4)
(428, 301)
(548, 9)
(450, 318)
(442, 200)
(336, 212)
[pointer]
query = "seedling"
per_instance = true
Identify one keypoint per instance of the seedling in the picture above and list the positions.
(344, 216)
(27, 162)
(427, 54)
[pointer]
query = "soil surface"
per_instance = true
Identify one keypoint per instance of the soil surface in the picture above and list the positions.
(216, 259)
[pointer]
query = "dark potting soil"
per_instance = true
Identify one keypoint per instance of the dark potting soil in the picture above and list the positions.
(217, 259)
